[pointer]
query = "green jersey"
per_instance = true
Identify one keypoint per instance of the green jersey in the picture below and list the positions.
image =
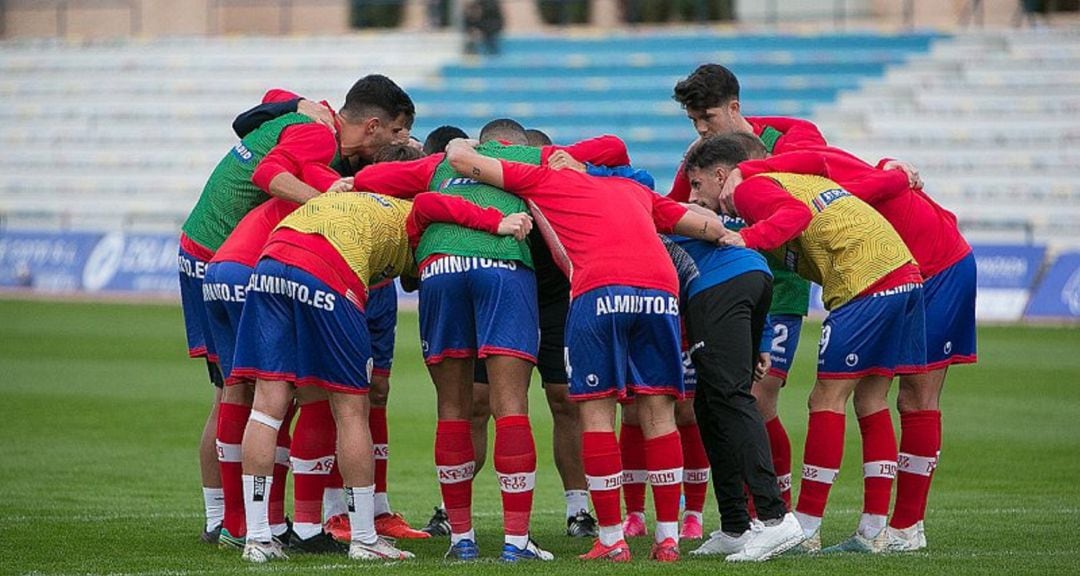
(457, 240)
(230, 194)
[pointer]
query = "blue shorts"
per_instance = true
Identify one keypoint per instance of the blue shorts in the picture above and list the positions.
(298, 329)
(382, 326)
(786, 329)
(196, 324)
(224, 287)
(478, 307)
(623, 341)
(950, 315)
(881, 334)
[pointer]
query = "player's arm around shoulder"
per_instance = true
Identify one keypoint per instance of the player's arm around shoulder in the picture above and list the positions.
(467, 161)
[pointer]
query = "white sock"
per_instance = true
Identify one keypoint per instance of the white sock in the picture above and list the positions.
(665, 530)
(360, 501)
(809, 524)
(870, 525)
(577, 501)
(518, 541)
(279, 529)
(214, 503)
(609, 535)
(305, 530)
(382, 504)
(256, 498)
(455, 538)
(333, 503)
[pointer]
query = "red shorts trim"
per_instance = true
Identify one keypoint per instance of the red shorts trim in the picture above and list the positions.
(380, 372)
(458, 353)
(256, 374)
(331, 386)
(779, 373)
(877, 371)
(486, 351)
(964, 359)
(198, 352)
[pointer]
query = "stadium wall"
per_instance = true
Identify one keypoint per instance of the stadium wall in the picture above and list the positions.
(1016, 282)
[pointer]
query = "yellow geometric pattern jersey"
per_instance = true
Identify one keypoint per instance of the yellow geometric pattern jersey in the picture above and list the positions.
(847, 247)
(368, 230)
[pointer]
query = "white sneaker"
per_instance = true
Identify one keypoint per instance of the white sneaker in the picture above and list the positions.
(721, 542)
(769, 541)
(381, 549)
(904, 539)
(262, 552)
(859, 544)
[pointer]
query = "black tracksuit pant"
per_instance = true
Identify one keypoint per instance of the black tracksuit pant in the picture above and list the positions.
(724, 325)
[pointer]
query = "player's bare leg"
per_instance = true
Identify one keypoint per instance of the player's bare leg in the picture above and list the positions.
(269, 408)
(455, 456)
(213, 497)
(566, 448)
(481, 415)
(920, 446)
(664, 462)
(514, 454)
(355, 459)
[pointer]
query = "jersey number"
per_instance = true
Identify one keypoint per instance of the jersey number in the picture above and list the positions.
(780, 335)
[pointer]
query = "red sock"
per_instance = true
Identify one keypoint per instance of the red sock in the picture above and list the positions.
(312, 460)
(604, 474)
(276, 506)
(455, 462)
(515, 466)
(695, 468)
(780, 445)
(750, 508)
(821, 461)
(879, 461)
(635, 473)
(232, 419)
(920, 442)
(380, 445)
(664, 458)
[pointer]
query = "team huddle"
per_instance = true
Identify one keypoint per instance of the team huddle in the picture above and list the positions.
(678, 315)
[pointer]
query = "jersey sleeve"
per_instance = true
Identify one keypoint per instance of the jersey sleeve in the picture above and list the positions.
(797, 133)
(680, 189)
(604, 150)
(774, 215)
(429, 207)
(869, 184)
(523, 179)
(298, 146)
(798, 162)
(665, 212)
(319, 176)
(398, 179)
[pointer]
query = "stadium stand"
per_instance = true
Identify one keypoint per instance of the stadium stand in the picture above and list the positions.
(990, 117)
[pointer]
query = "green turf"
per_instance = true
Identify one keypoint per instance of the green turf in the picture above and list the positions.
(100, 413)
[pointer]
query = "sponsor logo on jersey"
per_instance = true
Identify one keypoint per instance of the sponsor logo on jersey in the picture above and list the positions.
(459, 181)
(822, 200)
(851, 359)
(459, 264)
(242, 153)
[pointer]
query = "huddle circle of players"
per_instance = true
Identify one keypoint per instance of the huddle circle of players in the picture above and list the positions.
(684, 309)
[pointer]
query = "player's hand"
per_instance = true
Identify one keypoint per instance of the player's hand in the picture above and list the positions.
(317, 112)
(727, 192)
(562, 159)
(730, 238)
(342, 185)
(762, 365)
(517, 225)
(914, 180)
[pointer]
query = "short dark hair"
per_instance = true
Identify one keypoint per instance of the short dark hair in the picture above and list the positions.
(709, 86)
(376, 95)
(755, 148)
(726, 150)
(397, 153)
(437, 140)
(537, 137)
(505, 130)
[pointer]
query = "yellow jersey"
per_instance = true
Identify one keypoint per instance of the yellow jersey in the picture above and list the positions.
(847, 246)
(368, 230)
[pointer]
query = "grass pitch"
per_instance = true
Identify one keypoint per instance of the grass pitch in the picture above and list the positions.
(100, 413)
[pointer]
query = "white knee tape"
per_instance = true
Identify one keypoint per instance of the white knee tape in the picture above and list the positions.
(265, 419)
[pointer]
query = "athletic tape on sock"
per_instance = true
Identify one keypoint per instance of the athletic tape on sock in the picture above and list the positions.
(612, 482)
(667, 477)
(229, 452)
(635, 476)
(823, 475)
(696, 475)
(456, 474)
(317, 467)
(517, 483)
(913, 464)
(879, 469)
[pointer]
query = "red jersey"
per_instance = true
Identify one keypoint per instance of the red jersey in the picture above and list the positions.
(246, 241)
(405, 179)
(592, 243)
(930, 231)
(298, 146)
(794, 134)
